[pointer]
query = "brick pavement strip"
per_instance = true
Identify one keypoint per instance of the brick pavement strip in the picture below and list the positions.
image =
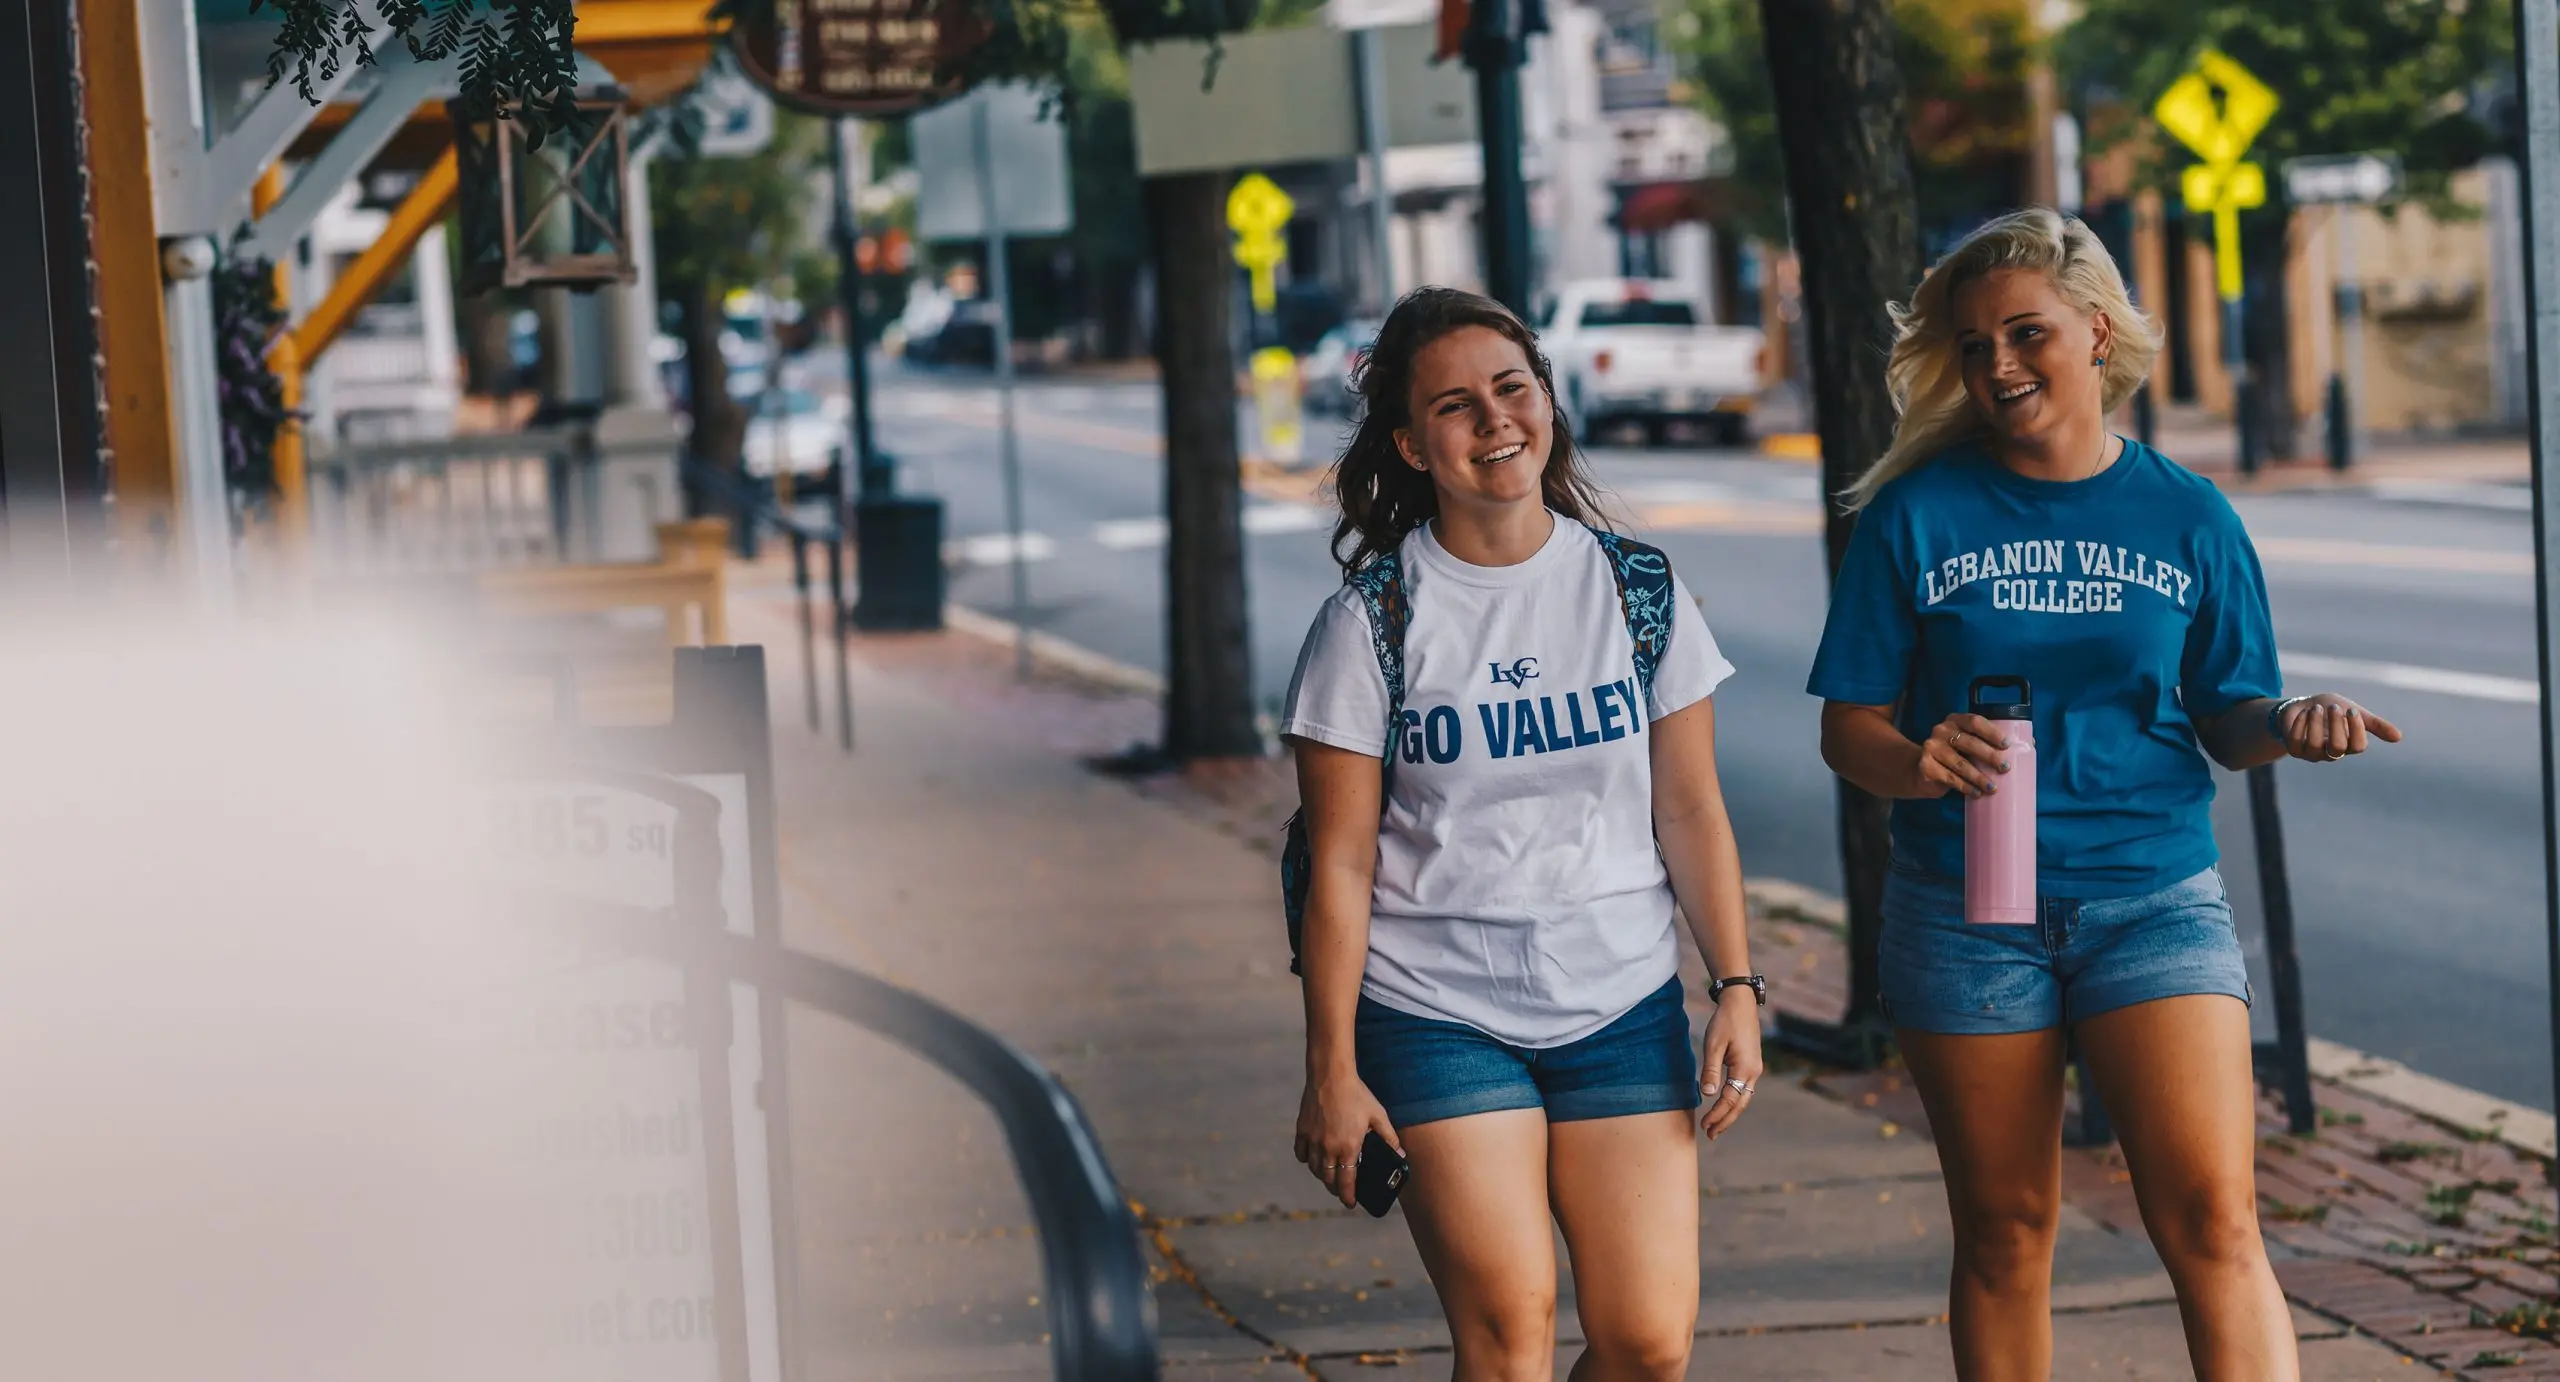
(1125, 932)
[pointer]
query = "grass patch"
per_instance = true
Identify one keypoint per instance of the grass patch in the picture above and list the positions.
(2284, 1213)
(2535, 1319)
(2449, 1205)
(2393, 1153)
(2332, 1118)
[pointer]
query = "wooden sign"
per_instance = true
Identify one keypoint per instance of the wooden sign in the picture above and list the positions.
(857, 57)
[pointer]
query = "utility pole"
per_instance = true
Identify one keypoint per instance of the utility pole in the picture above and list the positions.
(1495, 46)
(872, 471)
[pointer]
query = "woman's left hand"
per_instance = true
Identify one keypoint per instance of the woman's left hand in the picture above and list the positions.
(1731, 1068)
(2327, 727)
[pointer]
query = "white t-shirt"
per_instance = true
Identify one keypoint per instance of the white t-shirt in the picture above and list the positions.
(1519, 890)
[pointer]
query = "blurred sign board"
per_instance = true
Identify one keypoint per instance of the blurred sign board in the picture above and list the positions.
(2348, 179)
(1379, 14)
(857, 57)
(1258, 112)
(667, 1187)
(1028, 147)
(737, 116)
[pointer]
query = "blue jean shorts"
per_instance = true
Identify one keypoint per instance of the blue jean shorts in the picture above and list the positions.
(2083, 957)
(1424, 1070)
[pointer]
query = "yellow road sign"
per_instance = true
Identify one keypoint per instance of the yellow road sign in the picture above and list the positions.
(2218, 110)
(1256, 210)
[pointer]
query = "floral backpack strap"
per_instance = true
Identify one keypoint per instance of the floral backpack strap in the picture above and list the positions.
(1644, 595)
(1381, 587)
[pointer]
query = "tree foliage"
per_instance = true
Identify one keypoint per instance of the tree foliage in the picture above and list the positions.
(2353, 75)
(1964, 63)
(516, 54)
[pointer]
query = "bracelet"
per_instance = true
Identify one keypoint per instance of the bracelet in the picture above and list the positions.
(1759, 987)
(2275, 716)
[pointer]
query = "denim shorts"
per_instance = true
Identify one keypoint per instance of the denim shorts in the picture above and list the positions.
(2081, 958)
(1425, 1070)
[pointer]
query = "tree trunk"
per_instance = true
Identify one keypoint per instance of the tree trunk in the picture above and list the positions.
(488, 352)
(2266, 250)
(719, 427)
(1839, 99)
(1208, 705)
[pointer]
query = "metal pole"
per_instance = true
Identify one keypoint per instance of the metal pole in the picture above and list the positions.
(808, 638)
(1492, 48)
(1373, 137)
(873, 480)
(2284, 965)
(999, 289)
(2235, 362)
(2538, 88)
(2351, 311)
(844, 624)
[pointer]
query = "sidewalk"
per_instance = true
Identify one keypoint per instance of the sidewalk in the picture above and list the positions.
(1126, 934)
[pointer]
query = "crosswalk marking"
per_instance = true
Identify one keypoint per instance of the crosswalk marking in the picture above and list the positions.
(1130, 534)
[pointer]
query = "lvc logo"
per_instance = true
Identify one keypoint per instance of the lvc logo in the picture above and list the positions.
(1516, 675)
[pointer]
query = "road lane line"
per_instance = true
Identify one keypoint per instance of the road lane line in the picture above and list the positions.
(996, 549)
(2400, 676)
(2321, 551)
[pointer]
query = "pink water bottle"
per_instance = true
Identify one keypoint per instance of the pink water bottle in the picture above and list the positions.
(2000, 829)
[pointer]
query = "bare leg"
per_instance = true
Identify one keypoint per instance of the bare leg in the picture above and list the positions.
(1995, 1108)
(2175, 1077)
(1477, 1202)
(1626, 1192)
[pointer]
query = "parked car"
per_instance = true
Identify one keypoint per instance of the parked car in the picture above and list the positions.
(1634, 350)
(794, 430)
(967, 336)
(1330, 371)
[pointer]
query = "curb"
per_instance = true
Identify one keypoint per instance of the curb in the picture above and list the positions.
(1057, 653)
(2482, 1117)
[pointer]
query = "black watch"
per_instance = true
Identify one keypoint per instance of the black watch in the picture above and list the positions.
(1758, 985)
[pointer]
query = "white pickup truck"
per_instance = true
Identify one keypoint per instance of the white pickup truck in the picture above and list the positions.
(1633, 350)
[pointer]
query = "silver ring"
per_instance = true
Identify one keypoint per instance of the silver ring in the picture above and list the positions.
(1737, 1084)
(1333, 1166)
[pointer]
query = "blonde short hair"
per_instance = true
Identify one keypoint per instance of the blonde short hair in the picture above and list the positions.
(1924, 375)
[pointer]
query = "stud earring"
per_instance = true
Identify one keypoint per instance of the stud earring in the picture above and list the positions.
(2098, 360)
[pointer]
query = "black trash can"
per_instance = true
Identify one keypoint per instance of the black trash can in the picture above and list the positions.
(898, 564)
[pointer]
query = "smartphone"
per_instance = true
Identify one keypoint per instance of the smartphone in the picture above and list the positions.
(1382, 1174)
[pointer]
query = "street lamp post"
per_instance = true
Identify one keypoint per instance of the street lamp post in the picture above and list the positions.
(872, 471)
(2538, 90)
(1495, 45)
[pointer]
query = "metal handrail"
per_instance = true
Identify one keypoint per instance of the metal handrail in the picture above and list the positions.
(1101, 1309)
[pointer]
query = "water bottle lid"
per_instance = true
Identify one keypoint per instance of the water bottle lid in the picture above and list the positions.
(2018, 707)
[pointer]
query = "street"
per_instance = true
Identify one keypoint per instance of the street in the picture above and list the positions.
(2417, 873)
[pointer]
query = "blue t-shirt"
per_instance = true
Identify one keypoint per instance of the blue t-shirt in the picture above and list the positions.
(2131, 602)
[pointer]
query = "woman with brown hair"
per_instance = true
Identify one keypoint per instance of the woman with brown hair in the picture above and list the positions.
(1506, 752)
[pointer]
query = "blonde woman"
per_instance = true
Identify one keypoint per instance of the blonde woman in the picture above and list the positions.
(2007, 533)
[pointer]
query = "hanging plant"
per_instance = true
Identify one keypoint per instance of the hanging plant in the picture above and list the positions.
(516, 55)
(246, 318)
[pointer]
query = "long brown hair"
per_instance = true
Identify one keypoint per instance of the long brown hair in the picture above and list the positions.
(1382, 497)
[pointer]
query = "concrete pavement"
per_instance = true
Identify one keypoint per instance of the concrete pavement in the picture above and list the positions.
(1129, 938)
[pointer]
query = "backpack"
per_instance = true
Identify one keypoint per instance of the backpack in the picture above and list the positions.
(1644, 596)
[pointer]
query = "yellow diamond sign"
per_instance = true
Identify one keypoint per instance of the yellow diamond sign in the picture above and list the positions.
(2218, 110)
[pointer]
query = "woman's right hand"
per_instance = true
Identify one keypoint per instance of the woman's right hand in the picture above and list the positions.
(1964, 754)
(1335, 1116)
